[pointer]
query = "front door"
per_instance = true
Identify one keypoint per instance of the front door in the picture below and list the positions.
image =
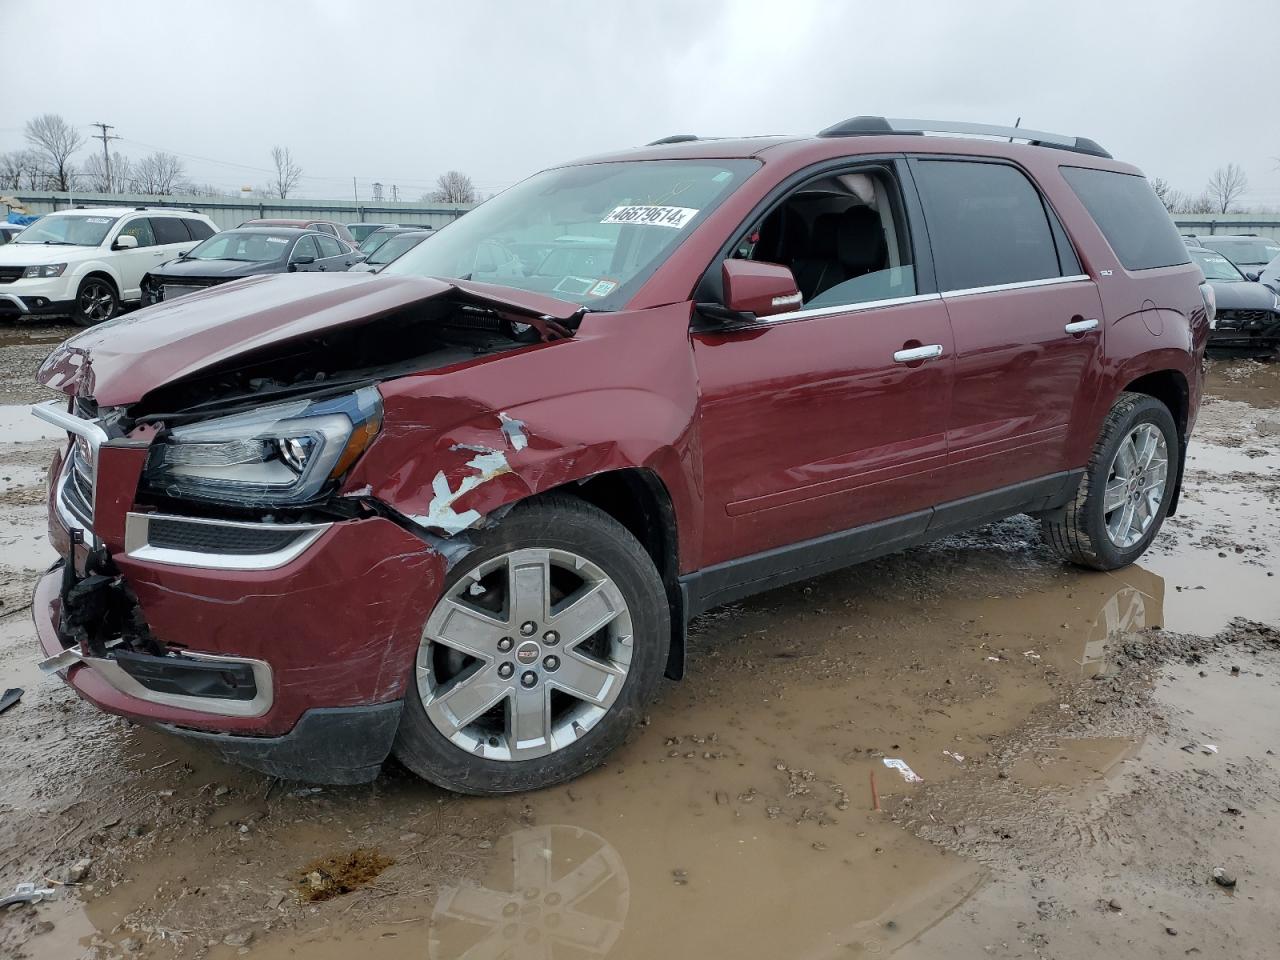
(1026, 320)
(833, 416)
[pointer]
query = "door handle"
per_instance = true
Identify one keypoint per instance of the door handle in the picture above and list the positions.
(1080, 326)
(912, 354)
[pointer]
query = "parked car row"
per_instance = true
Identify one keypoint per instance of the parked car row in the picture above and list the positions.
(1244, 272)
(90, 263)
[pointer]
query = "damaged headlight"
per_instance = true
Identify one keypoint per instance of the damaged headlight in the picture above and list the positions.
(280, 454)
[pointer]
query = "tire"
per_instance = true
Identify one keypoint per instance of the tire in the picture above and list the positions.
(97, 301)
(619, 664)
(1086, 532)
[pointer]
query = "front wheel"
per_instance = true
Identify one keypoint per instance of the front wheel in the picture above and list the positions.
(542, 652)
(96, 302)
(1127, 487)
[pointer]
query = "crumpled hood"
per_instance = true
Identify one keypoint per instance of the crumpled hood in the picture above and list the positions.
(120, 361)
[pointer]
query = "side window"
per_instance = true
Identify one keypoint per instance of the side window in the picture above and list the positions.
(1130, 216)
(987, 224)
(844, 236)
(306, 247)
(198, 229)
(170, 230)
(323, 228)
(140, 229)
(329, 247)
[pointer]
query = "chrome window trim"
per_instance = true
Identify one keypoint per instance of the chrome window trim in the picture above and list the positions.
(849, 307)
(137, 529)
(120, 679)
(1019, 285)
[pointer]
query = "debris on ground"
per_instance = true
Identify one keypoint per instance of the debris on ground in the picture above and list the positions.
(1223, 878)
(331, 877)
(27, 893)
(10, 697)
(909, 775)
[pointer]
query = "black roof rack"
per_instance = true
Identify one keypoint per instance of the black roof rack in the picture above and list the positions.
(674, 138)
(869, 126)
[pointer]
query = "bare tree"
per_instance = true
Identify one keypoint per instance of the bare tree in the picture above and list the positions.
(101, 180)
(54, 141)
(158, 174)
(1161, 186)
(1226, 186)
(288, 173)
(453, 187)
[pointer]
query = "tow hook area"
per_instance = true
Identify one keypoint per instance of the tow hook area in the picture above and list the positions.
(98, 610)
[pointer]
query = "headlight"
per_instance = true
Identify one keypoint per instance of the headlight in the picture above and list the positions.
(281, 454)
(47, 270)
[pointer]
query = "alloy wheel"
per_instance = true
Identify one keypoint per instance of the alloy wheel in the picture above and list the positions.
(1135, 485)
(97, 302)
(524, 654)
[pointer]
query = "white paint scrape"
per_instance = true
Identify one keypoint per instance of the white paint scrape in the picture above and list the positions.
(440, 513)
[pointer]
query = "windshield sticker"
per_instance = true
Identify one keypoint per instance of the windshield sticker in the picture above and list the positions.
(277, 239)
(675, 217)
(603, 288)
(722, 176)
(97, 219)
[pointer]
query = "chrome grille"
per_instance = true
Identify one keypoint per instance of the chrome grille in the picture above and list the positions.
(1246, 318)
(10, 274)
(77, 491)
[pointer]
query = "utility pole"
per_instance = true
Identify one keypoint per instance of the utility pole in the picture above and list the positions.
(395, 194)
(106, 152)
(355, 191)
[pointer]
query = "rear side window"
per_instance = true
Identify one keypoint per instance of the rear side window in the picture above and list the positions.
(1130, 216)
(169, 230)
(987, 224)
(198, 229)
(323, 228)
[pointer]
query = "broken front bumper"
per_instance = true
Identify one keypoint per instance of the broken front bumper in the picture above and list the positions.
(285, 646)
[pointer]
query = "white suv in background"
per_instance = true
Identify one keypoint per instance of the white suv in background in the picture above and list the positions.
(85, 263)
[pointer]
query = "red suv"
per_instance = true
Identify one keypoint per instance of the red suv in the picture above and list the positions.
(462, 510)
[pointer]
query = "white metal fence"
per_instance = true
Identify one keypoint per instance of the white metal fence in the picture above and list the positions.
(229, 212)
(1211, 223)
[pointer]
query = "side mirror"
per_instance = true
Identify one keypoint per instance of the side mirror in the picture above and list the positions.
(1250, 275)
(759, 289)
(125, 242)
(303, 260)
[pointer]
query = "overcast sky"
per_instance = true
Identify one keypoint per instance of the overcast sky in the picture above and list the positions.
(399, 91)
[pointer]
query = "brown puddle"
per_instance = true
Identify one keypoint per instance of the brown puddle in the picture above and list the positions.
(737, 822)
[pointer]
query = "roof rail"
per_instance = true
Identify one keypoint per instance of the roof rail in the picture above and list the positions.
(867, 126)
(674, 138)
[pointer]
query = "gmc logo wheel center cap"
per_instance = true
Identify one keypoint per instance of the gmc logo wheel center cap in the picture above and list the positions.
(527, 653)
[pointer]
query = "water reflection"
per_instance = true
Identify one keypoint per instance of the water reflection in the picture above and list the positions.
(554, 891)
(1136, 604)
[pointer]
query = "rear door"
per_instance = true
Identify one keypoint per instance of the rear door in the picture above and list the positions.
(1026, 320)
(334, 254)
(172, 237)
(833, 416)
(132, 265)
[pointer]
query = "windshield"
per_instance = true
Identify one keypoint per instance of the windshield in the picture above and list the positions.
(1245, 253)
(71, 230)
(394, 247)
(1216, 266)
(250, 246)
(375, 240)
(589, 234)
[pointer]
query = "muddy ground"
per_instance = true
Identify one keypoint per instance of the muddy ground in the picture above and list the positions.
(1092, 746)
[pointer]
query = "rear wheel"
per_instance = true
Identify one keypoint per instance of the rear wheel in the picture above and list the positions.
(1124, 496)
(540, 655)
(96, 301)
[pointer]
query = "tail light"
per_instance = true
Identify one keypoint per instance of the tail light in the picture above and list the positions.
(1210, 304)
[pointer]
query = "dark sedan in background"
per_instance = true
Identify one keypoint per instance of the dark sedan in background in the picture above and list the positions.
(395, 245)
(247, 252)
(1248, 252)
(1248, 312)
